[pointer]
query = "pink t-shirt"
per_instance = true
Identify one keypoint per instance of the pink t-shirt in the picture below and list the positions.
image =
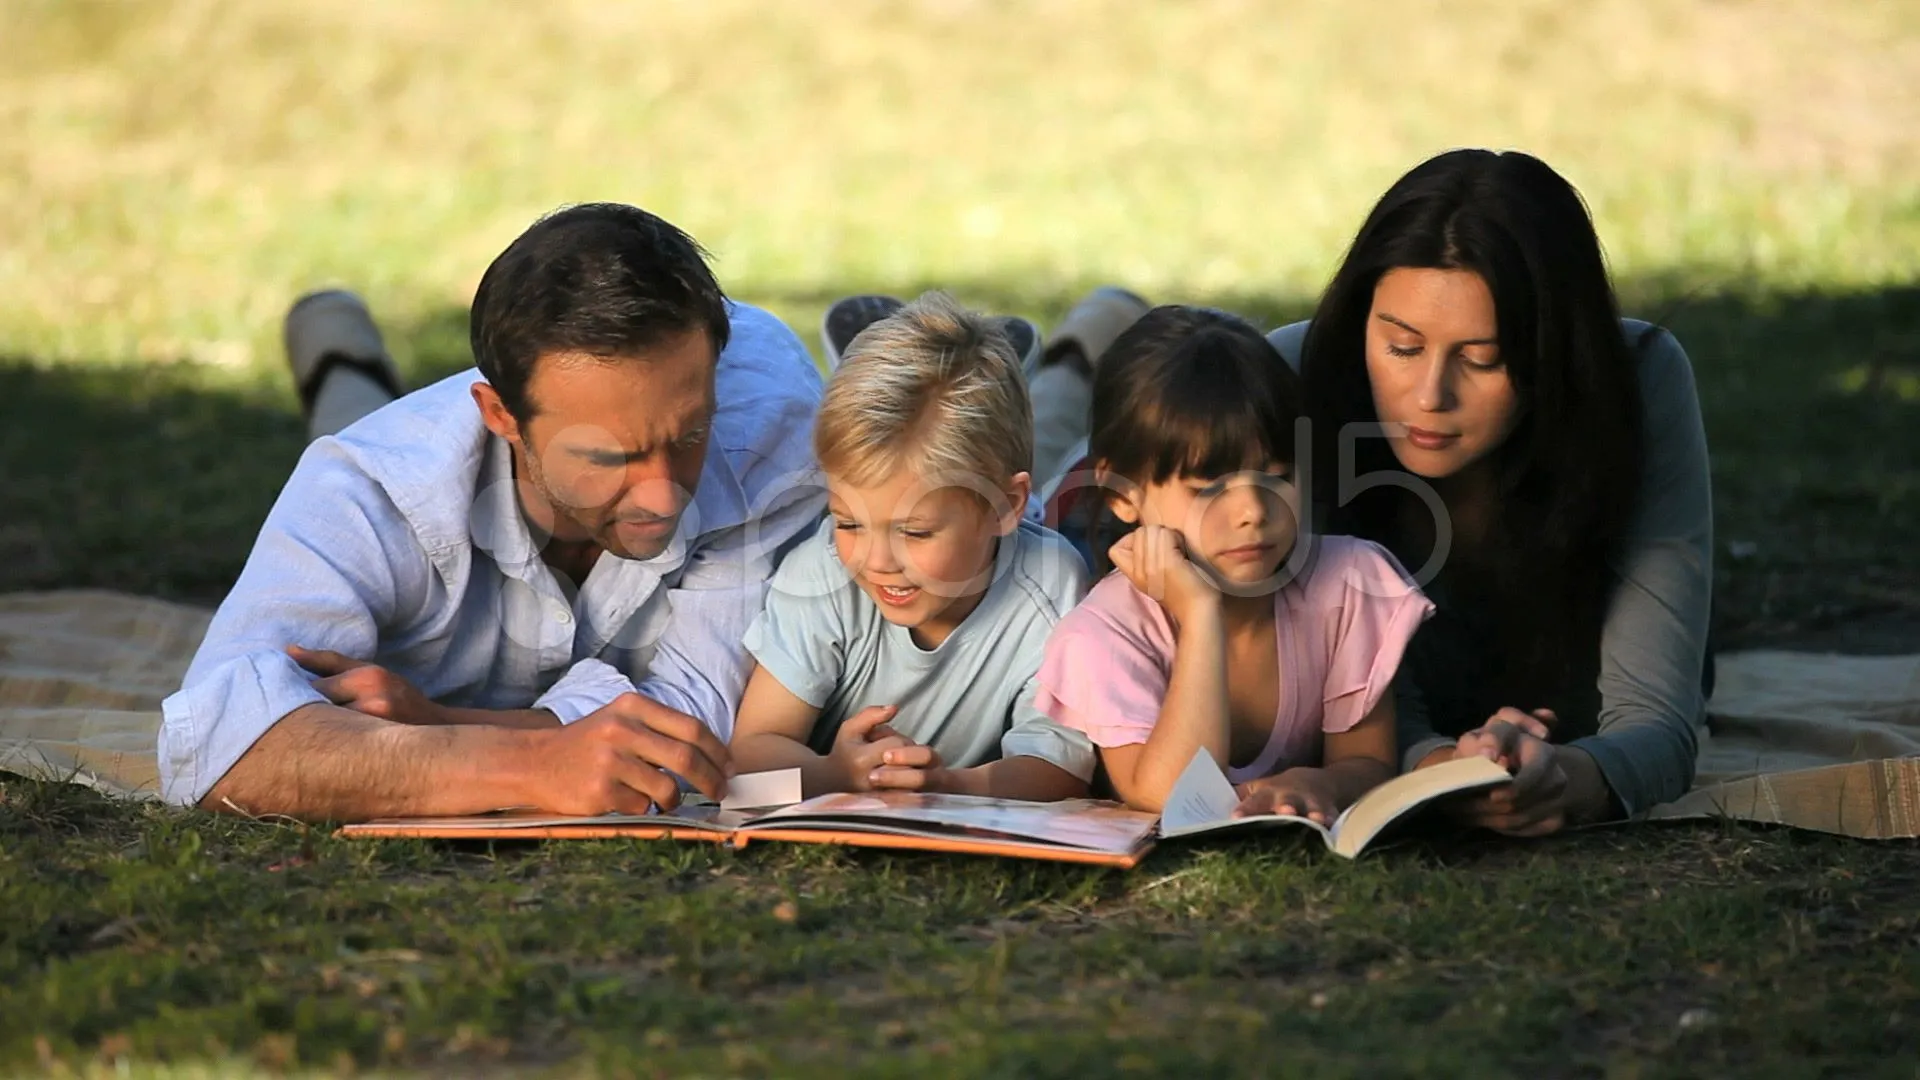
(1341, 628)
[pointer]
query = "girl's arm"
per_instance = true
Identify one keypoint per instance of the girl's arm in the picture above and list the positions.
(1356, 761)
(1195, 713)
(1194, 716)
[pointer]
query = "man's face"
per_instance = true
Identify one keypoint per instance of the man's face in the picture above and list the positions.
(612, 448)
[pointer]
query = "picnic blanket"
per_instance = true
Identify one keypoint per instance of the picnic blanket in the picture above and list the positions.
(1823, 742)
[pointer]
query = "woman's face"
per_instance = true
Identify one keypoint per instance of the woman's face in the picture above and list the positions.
(1433, 359)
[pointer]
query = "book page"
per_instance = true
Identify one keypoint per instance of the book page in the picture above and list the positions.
(1383, 805)
(1202, 796)
(1203, 801)
(1079, 823)
(757, 790)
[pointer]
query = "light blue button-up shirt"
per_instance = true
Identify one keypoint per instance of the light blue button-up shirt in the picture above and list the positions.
(401, 541)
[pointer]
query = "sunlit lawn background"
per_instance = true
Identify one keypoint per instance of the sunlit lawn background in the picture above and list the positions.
(172, 175)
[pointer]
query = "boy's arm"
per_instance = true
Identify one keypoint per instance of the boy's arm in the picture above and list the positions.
(772, 728)
(1020, 777)
(771, 733)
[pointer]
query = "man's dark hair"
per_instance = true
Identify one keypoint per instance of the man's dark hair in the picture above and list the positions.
(601, 278)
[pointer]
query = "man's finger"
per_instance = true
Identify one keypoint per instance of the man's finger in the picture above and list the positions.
(323, 661)
(336, 690)
(687, 760)
(648, 783)
(679, 727)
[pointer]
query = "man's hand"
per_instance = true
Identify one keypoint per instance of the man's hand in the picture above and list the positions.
(1298, 792)
(1154, 559)
(619, 757)
(861, 745)
(368, 688)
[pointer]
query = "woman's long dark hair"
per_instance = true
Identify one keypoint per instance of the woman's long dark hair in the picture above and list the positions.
(1187, 391)
(1568, 474)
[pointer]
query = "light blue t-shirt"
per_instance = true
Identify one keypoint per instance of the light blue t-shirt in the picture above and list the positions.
(971, 699)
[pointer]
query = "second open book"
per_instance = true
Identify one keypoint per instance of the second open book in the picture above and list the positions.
(1077, 830)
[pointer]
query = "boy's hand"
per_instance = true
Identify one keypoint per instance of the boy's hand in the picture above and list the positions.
(1301, 792)
(910, 768)
(861, 743)
(1154, 559)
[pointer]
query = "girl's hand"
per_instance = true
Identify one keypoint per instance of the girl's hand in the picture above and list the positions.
(1154, 560)
(1301, 792)
(1553, 786)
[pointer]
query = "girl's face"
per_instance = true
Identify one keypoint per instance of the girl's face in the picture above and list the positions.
(1433, 359)
(1241, 527)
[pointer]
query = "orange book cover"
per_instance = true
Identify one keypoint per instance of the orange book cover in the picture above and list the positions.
(1081, 831)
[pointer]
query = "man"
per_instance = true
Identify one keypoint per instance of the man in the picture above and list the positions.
(525, 585)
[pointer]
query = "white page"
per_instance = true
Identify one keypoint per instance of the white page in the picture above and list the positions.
(1202, 796)
(749, 791)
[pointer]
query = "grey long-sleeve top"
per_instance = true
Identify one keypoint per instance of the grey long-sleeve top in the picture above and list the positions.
(1653, 639)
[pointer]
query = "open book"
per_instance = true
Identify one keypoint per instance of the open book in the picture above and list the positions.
(1076, 830)
(1202, 802)
(767, 806)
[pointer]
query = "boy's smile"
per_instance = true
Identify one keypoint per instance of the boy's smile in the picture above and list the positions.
(924, 553)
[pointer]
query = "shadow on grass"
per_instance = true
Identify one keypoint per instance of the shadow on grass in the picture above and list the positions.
(153, 478)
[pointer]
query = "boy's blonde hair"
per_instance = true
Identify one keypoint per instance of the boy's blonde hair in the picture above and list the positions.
(932, 386)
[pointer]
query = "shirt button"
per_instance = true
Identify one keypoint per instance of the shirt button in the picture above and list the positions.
(563, 615)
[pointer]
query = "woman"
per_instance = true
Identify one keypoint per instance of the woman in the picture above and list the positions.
(1479, 407)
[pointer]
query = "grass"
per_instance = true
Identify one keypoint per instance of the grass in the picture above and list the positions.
(160, 936)
(172, 174)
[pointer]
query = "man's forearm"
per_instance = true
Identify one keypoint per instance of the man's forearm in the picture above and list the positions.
(323, 762)
(524, 719)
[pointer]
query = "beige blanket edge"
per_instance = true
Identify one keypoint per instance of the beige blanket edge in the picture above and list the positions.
(1821, 742)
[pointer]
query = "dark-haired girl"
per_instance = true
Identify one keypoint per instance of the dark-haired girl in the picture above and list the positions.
(1479, 407)
(1225, 630)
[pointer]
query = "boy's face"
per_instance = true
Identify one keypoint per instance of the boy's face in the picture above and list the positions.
(1240, 527)
(923, 552)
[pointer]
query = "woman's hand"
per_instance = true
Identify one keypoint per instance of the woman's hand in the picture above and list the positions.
(1154, 559)
(1553, 786)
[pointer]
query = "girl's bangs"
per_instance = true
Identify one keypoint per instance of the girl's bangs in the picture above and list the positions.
(1206, 425)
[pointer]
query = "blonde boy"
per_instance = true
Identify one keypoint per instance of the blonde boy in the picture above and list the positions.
(899, 644)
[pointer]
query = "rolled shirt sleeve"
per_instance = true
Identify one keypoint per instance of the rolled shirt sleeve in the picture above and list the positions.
(700, 666)
(334, 564)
